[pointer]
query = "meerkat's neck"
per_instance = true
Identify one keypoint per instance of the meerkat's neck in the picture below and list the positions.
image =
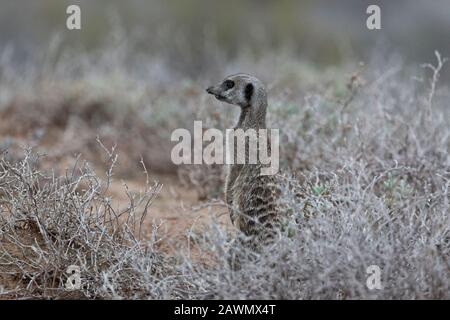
(254, 116)
(251, 117)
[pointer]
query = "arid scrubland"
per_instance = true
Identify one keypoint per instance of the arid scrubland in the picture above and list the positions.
(367, 142)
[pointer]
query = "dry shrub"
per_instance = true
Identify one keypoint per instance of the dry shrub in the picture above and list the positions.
(48, 223)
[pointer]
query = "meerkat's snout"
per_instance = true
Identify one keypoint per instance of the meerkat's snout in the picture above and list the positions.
(217, 92)
(226, 91)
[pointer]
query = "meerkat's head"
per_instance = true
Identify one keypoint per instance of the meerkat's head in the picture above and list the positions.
(241, 89)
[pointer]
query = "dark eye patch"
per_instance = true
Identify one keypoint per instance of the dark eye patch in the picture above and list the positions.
(229, 84)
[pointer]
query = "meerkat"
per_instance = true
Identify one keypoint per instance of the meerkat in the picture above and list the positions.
(250, 196)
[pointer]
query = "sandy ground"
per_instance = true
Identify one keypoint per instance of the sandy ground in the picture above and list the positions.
(176, 210)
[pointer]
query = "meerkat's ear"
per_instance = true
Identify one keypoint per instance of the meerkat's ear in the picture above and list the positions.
(248, 92)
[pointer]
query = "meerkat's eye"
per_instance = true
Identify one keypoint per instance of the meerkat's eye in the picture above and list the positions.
(229, 84)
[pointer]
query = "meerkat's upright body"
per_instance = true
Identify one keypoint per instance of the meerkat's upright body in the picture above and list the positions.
(251, 197)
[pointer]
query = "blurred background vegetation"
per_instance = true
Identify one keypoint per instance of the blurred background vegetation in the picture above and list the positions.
(189, 33)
